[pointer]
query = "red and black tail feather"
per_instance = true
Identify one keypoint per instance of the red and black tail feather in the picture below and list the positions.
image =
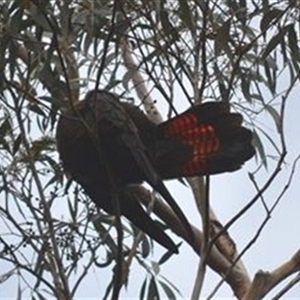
(210, 138)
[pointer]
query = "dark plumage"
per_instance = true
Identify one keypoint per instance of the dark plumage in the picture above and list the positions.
(106, 144)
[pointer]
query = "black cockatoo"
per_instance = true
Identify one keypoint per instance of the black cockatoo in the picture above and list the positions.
(106, 145)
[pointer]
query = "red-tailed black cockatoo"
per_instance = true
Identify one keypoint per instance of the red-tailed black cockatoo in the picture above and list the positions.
(106, 145)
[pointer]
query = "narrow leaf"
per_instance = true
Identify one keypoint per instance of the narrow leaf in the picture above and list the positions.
(143, 289)
(275, 115)
(17, 144)
(185, 14)
(153, 290)
(270, 18)
(167, 290)
(260, 147)
(275, 40)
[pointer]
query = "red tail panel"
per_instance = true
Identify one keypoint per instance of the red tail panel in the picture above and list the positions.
(202, 140)
(180, 124)
(214, 138)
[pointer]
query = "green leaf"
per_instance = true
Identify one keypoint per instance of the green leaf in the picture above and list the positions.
(275, 115)
(17, 144)
(167, 290)
(5, 128)
(169, 30)
(143, 289)
(242, 11)
(185, 14)
(223, 37)
(40, 20)
(246, 88)
(270, 139)
(257, 143)
(293, 42)
(293, 45)
(153, 290)
(275, 40)
(145, 247)
(270, 18)
(72, 210)
(35, 108)
(174, 287)
(271, 79)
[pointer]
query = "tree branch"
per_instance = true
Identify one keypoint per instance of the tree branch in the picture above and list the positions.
(264, 281)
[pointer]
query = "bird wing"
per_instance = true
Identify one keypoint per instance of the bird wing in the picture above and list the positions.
(116, 147)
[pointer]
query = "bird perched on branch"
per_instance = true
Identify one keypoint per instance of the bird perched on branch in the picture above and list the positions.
(106, 145)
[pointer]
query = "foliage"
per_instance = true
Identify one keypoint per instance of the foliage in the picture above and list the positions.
(52, 52)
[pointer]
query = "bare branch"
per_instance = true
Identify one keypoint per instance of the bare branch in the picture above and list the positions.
(264, 281)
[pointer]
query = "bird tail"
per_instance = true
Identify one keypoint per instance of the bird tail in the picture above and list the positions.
(206, 139)
(132, 209)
